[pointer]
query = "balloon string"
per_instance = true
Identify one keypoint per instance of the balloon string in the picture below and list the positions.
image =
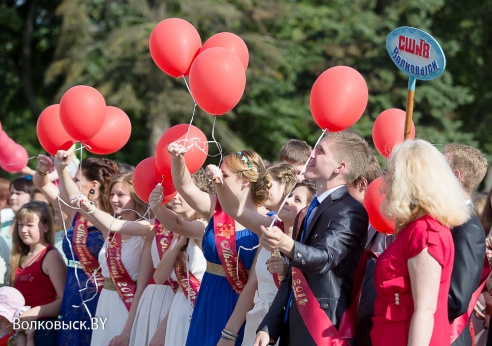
(189, 90)
(219, 147)
(275, 216)
(16, 163)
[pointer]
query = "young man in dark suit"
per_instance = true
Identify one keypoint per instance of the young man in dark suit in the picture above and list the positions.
(469, 166)
(326, 245)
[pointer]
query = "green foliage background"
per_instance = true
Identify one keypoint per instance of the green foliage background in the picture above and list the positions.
(48, 46)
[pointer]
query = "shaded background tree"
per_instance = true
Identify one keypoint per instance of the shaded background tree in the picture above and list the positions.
(49, 46)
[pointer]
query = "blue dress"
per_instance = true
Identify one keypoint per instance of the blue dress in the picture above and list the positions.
(74, 296)
(216, 299)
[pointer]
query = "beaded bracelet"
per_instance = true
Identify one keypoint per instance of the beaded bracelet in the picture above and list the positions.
(122, 332)
(41, 173)
(229, 335)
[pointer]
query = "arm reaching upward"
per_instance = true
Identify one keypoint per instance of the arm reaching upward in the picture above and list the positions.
(201, 201)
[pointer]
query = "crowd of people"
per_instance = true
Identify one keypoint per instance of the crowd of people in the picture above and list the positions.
(251, 252)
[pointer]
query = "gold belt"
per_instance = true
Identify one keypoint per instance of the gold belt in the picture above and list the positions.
(109, 284)
(216, 269)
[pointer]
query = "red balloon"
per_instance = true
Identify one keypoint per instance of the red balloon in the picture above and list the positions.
(82, 112)
(217, 80)
(15, 162)
(230, 41)
(113, 135)
(373, 200)
(8, 149)
(4, 140)
(146, 177)
(389, 129)
(338, 98)
(174, 44)
(189, 136)
(51, 133)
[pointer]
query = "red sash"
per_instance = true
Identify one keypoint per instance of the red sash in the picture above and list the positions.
(277, 278)
(189, 287)
(123, 283)
(319, 325)
(163, 238)
(225, 241)
(88, 262)
(461, 322)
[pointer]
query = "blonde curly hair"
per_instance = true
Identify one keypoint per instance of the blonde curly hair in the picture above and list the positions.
(419, 181)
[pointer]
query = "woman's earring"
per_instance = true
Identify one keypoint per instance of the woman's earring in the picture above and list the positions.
(92, 191)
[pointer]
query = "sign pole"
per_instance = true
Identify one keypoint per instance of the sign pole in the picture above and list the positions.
(409, 114)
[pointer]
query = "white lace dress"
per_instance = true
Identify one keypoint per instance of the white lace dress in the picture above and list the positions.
(178, 321)
(153, 307)
(264, 296)
(110, 308)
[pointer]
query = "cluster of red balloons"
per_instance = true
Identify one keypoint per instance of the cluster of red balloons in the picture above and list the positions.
(216, 70)
(83, 116)
(13, 156)
(157, 170)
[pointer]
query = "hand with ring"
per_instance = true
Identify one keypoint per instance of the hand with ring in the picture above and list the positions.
(276, 265)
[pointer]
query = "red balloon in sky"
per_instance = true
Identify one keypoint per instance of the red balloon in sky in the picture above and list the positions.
(174, 43)
(217, 80)
(190, 137)
(230, 41)
(51, 133)
(373, 200)
(338, 98)
(388, 130)
(82, 112)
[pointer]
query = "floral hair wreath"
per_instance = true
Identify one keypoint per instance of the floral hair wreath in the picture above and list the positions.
(245, 159)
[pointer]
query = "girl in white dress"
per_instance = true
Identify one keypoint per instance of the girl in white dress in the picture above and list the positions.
(268, 266)
(178, 321)
(153, 307)
(181, 220)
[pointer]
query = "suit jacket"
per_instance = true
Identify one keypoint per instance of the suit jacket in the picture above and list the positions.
(377, 243)
(333, 244)
(469, 256)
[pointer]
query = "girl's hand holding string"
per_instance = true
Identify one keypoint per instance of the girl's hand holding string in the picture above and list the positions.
(62, 159)
(44, 165)
(155, 197)
(215, 174)
(176, 149)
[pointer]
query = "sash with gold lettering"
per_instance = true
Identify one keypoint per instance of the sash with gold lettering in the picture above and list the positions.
(163, 239)
(189, 284)
(460, 323)
(277, 278)
(225, 241)
(318, 324)
(88, 262)
(123, 282)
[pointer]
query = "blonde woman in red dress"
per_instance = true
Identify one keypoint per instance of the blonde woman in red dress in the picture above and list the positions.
(413, 274)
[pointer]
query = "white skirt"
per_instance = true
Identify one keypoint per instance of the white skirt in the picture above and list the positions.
(253, 320)
(152, 308)
(112, 312)
(178, 321)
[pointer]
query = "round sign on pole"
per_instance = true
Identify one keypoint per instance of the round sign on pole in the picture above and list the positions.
(416, 53)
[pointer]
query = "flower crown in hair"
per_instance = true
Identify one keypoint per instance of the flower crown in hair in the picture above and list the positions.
(245, 159)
